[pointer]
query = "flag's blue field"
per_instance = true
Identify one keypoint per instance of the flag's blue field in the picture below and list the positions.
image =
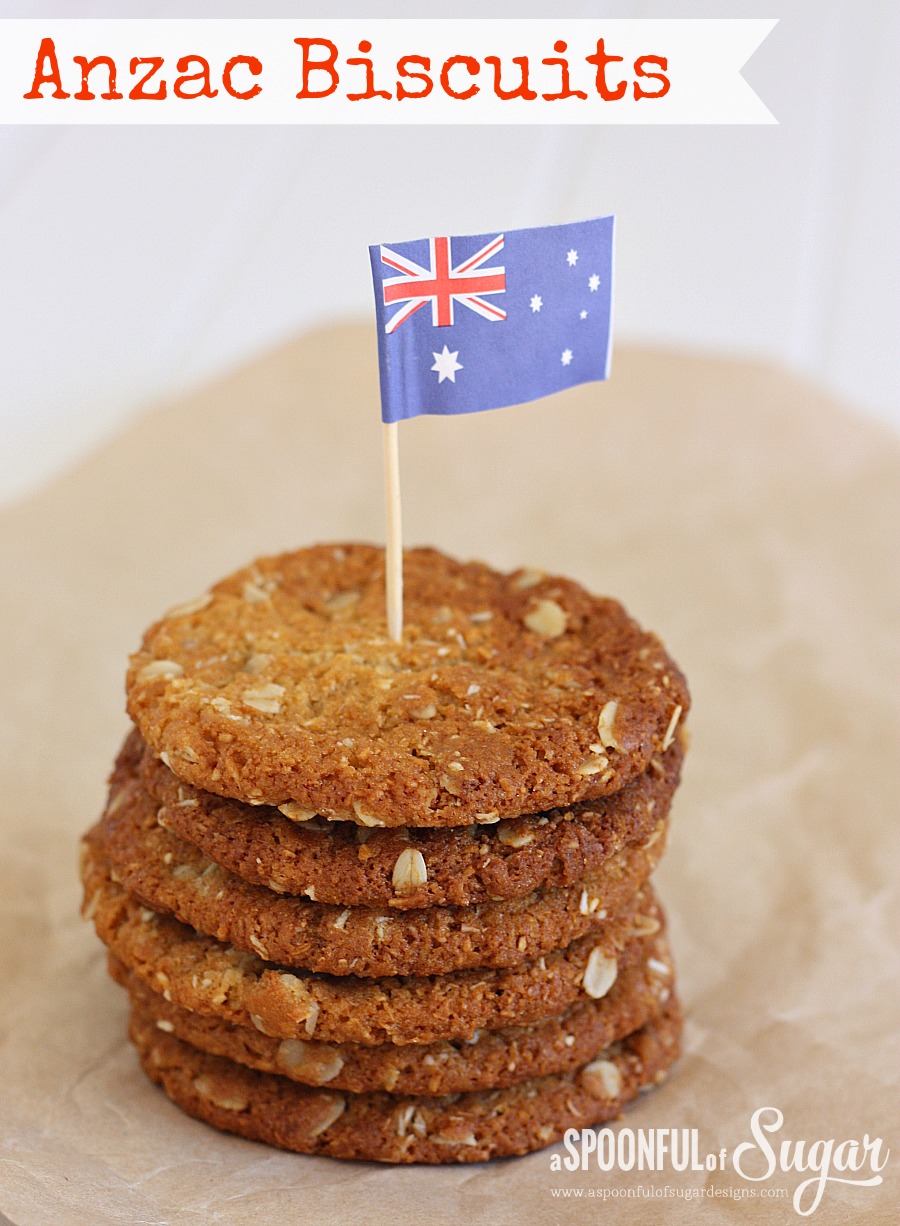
(479, 321)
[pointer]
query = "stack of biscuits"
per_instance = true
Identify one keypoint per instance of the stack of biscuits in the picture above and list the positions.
(391, 901)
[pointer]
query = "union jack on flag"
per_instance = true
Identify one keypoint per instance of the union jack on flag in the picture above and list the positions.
(549, 305)
(441, 284)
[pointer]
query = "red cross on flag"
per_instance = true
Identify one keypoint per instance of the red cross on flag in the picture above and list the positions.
(441, 284)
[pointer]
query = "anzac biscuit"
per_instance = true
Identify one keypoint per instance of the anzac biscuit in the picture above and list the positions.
(353, 866)
(200, 973)
(490, 1061)
(172, 876)
(386, 1128)
(509, 694)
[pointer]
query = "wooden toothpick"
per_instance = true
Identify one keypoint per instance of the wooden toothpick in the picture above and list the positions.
(393, 557)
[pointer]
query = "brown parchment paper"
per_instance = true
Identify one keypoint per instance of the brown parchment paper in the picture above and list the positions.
(740, 513)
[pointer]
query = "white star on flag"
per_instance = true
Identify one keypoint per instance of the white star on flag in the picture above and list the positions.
(594, 283)
(537, 302)
(582, 314)
(572, 257)
(566, 357)
(446, 365)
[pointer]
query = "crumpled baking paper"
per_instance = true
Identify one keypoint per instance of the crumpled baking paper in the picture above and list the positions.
(741, 514)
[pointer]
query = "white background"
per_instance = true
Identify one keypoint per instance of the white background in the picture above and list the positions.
(135, 262)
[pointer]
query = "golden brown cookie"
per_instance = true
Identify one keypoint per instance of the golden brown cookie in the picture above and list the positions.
(493, 1059)
(172, 876)
(353, 866)
(509, 694)
(384, 1128)
(200, 973)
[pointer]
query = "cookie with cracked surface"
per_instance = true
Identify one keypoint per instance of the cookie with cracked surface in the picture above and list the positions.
(491, 1060)
(208, 977)
(510, 693)
(353, 866)
(172, 876)
(386, 1128)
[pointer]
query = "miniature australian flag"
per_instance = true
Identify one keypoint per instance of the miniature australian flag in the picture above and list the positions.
(479, 321)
